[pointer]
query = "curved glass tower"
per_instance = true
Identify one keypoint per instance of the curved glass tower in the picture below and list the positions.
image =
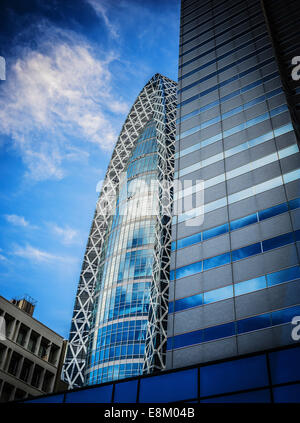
(120, 314)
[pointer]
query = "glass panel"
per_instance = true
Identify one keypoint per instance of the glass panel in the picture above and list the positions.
(250, 286)
(284, 365)
(94, 395)
(248, 251)
(171, 307)
(294, 204)
(48, 399)
(272, 211)
(217, 332)
(244, 221)
(191, 269)
(126, 392)
(218, 294)
(170, 343)
(290, 393)
(278, 241)
(216, 261)
(285, 316)
(189, 338)
(283, 276)
(261, 396)
(215, 231)
(189, 302)
(184, 242)
(254, 323)
(175, 386)
(230, 376)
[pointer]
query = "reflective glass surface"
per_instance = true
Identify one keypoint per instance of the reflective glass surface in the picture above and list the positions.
(122, 294)
(233, 376)
(102, 394)
(236, 255)
(170, 387)
(234, 328)
(126, 392)
(236, 224)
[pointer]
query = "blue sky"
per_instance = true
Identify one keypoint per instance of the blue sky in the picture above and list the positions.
(74, 68)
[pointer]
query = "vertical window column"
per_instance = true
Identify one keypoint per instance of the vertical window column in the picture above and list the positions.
(4, 353)
(26, 342)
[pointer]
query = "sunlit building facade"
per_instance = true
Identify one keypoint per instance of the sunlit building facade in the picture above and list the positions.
(120, 315)
(235, 275)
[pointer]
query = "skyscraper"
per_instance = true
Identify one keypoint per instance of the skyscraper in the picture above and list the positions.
(235, 261)
(120, 314)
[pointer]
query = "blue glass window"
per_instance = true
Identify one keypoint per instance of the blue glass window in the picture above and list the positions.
(290, 393)
(261, 396)
(169, 387)
(277, 241)
(186, 339)
(171, 306)
(190, 240)
(283, 276)
(170, 343)
(126, 392)
(250, 286)
(284, 365)
(244, 221)
(102, 394)
(51, 399)
(219, 230)
(254, 323)
(285, 316)
(216, 261)
(189, 302)
(244, 252)
(294, 204)
(217, 332)
(188, 270)
(272, 211)
(230, 376)
(218, 294)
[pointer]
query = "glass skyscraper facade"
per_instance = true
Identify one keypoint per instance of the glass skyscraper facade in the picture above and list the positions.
(120, 314)
(235, 275)
(122, 291)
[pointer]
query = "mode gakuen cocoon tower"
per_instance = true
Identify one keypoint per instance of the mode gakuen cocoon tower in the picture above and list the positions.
(119, 322)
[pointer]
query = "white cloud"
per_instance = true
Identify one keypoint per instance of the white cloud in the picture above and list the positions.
(56, 100)
(67, 234)
(16, 220)
(101, 11)
(35, 255)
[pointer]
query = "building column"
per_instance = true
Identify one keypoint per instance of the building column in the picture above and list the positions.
(38, 344)
(20, 365)
(8, 357)
(13, 393)
(1, 387)
(4, 359)
(27, 339)
(42, 379)
(15, 331)
(29, 379)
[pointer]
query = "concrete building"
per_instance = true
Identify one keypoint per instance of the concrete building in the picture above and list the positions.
(31, 354)
(235, 262)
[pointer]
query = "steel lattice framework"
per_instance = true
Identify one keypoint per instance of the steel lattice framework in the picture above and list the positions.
(157, 100)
